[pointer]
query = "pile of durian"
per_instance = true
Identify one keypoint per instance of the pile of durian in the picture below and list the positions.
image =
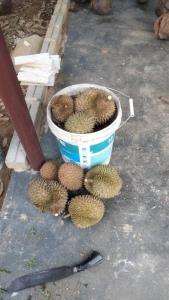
(86, 112)
(52, 191)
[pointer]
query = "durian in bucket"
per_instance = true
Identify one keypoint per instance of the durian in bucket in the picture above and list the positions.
(85, 149)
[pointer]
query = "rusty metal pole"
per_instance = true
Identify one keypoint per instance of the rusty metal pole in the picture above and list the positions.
(12, 96)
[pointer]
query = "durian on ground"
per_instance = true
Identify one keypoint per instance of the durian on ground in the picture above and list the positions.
(48, 196)
(49, 170)
(103, 181)
(39, 192)
(71, 176)
(86, 211)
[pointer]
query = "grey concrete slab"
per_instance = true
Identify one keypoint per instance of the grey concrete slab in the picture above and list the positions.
(119, 51)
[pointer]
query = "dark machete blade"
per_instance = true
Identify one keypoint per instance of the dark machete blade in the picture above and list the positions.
(53, 274)
(38, 278)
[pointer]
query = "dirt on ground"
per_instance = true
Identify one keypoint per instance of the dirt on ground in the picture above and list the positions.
(26, 18)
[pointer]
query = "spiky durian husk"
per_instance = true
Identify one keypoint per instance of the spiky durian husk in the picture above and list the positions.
(103, 181)
(39, 192)
(49, 196)
(59, 198)
(86, 211)
(81, 122)
(49, 170)
(103, 187)
(86, 100)
(99, 102)
(62, 108)
(71, 176)
(104, 108)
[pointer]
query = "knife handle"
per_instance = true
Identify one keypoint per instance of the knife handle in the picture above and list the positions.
(90, 262)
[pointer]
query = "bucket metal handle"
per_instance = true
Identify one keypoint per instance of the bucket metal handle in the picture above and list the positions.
(131, 106)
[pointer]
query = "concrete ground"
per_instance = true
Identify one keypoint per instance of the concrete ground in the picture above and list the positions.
(118, 51)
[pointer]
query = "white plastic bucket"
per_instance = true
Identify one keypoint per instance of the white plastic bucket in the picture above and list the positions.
(90, 149)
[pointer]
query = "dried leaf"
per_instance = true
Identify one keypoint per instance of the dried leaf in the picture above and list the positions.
(162, 7)
(161, 27)
(105, 50)
(101, 7)
(1, 187)
(4, 142)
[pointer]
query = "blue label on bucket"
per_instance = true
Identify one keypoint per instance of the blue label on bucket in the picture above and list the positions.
(71, 152)
(102, 156)
(69, 147)
(101, 146)
(87, 156)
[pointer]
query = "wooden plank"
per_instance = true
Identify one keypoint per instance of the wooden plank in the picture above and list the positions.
(49, 32)
(13, 149)
(53, 20)
(54, 36)
(21, 163)
(30, 100)
(57, 33)
(30, 91)
(15, 104)
(40, 118)
(16, 157)
(40, 90)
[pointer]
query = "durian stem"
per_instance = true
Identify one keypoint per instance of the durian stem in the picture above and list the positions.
(89, 180)
(109, 97)
(66, 216)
